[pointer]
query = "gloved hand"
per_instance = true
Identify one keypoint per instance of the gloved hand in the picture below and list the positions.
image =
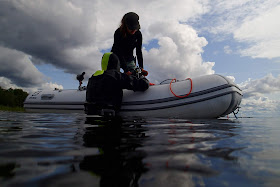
(128, 73)
(140, 84)
(144, 72)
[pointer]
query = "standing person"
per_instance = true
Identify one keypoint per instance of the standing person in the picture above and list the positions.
(126, 38)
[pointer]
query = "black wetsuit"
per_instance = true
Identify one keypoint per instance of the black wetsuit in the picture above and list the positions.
(107, 89)
(123, 47)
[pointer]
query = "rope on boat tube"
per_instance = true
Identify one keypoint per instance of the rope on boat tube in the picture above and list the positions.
(179, 95)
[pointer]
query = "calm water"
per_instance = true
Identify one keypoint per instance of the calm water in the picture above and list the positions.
(72, 150)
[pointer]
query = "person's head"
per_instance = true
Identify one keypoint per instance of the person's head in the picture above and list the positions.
(110, 61)
(130, 23)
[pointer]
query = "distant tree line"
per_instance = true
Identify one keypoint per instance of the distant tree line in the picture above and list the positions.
(12, 97)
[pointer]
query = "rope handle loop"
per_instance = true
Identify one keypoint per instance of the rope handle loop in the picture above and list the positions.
(179, 96)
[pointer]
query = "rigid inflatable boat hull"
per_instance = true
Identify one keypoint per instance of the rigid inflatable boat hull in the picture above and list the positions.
(212, 96)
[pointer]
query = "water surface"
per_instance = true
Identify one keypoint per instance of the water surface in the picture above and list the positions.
(45, 149)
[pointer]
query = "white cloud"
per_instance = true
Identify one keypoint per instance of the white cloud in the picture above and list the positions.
(227, 49)
(232, 78)
(263, 34)
(50, 86)
(260, 106)
(17, 66)
(48, 30)
(255, 92)
(18, 71)
(70, 34)
(6, 84)
(252, 23)
(258, 87)
(179, 52)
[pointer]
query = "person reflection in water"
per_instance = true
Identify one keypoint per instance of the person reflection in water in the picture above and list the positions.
(118, 163)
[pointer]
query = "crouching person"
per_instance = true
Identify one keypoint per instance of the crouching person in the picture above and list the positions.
(105, 88)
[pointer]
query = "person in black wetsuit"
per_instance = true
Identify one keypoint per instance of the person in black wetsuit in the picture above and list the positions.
(126, 38)
(104, 89)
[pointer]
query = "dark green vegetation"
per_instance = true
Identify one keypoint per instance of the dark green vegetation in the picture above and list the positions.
(12, 99)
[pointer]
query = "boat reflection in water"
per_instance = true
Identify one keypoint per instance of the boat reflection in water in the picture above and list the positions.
(158, 152)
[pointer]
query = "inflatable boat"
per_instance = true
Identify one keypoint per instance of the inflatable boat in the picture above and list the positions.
(208, 96)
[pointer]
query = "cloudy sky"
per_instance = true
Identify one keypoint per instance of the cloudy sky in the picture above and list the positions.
(46, 43)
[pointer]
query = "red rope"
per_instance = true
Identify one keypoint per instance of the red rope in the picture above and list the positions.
(179, 95)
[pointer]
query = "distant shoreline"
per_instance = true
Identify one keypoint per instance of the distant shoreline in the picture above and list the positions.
(13, 109)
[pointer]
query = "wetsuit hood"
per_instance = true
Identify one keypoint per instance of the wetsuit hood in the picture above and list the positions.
(109, 61)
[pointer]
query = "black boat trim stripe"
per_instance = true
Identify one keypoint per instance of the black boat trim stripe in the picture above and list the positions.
(168, 99)
(179, 104)
(55, 103)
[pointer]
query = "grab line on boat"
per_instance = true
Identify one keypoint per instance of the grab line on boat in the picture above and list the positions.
(179, 95)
